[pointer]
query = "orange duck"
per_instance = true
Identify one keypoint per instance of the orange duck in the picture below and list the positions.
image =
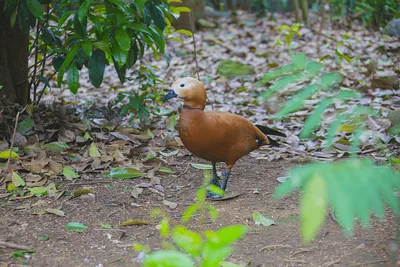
(213, 135)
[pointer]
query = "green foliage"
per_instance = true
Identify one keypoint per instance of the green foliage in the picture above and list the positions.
(231, 69)
(370, 12)
(92, 34)
(355, 188)
(183, 247)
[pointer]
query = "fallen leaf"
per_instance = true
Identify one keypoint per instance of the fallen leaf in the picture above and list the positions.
(69, 173)
(170, 204)
(201, 166)
(76, 226)
(94, 151)
(259, 219)
(125, 173)
(134, 222)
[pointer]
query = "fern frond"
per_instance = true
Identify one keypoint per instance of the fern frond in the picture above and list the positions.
(355, 188)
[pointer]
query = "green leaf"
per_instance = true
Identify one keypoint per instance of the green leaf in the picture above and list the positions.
(16, 180)
(166, 170)
(190, 242)
(25, 126)
(84, 8)
(94, 151)
(313, 207)
(140, 4)
(313, 68)
(167, 258)
(73, 78)
(158, 16)
(35, 8)
(201, 166)
(76, 226)
(6, 154)
(69, 173)
(228, 235)
(297, 101)
(329, 79)
(118, 54)
(68, 59)
(273, 74)
(87, 48)
(335, 127)
(259, 219)
(299, 61)
(125, 173)
(281, 83)
(13, 17)
(56, 147)
(123, 40)
(189, 212)
(182, 31)
(212, 255)
(96, 67)
(314, 119)
(80, 27)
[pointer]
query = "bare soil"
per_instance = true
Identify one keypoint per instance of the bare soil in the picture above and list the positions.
(255, 180)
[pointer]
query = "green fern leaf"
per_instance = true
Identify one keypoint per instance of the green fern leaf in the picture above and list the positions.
(281, 83)
(314, 119)
(297, 101)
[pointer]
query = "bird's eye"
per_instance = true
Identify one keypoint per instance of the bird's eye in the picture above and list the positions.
(182, 85)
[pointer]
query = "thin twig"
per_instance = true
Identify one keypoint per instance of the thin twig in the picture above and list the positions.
(194, 41)
(14, 246)
(369, 262)
(13, 137)
(179, 175)
(274, 246)
(89, 182)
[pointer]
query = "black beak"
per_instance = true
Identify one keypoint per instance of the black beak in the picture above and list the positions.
(171, 94)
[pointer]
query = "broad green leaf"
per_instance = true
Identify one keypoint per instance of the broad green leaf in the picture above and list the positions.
(118, 54)
(190, 242)
(329, 79)
(73, 78)
(228, 234)
(106, 226)
(313, 206)
(69, 173)
(6, 154)
(96, 67)
(94, 152)
(213, 256)
(201, 166)
(158, 16)
(87, 48)
(16, 180)
(313, 68)
(259, 219)
(35, 8)
(56, 147)
(76, 226)
(125, 173)
(186, 32)
(68, 59)
(123, 40)
(84, 8)
(299, 60)
(25, 126)
(167, 258)
(140, 4)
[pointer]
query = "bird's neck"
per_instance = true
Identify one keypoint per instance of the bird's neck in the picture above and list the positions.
(194, 105)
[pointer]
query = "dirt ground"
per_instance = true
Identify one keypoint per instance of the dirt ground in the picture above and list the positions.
(278, 245)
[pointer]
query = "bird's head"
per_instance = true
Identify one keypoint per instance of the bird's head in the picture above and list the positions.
(190, 90)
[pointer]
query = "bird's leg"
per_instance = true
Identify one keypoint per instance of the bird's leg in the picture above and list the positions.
(215, 178)
(214, 181)
(225, 182)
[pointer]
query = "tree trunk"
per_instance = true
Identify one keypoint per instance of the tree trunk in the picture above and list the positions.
(304, 9)
(13, 61)
(296, 10)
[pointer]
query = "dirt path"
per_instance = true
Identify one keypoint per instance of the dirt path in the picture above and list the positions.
(278, 245)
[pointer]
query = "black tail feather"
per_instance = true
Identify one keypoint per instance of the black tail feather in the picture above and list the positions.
(266, 130)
